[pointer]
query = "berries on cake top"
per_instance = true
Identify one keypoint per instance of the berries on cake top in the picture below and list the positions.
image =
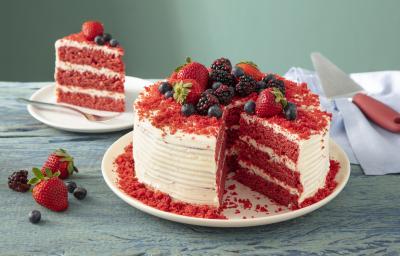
(268, 103)
(94, 31)
(250, 69)
(195, 71)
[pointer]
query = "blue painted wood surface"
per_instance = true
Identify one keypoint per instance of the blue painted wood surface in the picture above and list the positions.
(363, 220)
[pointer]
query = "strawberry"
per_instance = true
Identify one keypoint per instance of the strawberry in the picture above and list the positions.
(91, 29)
(251, 69)
(49, 190)
(60, 161)
(269, 102)
(193, 70)
(187, 91)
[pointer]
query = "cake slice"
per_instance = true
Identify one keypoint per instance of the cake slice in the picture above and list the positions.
(89, 70)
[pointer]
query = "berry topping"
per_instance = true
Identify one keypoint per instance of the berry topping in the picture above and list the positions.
(290, 111)
(250, 69)
(169, 94)
(164, 87)
(187, 91)
(35, 216)
(222, 64)
(99, 40)
(245, 86)
(216, 85)
(18, 181)
(273, 82)
(237, 72)
(60, 161)
(214, 111)
(71, 185)
(114, 42)
(91, 29)
(188, 109)
(269, 102)
(195, 71)
(49, 190)
(261, 85)
(107, 37)
(222, 77)
(205, 102)
(250, 107)
(224, 94)
(80, 193)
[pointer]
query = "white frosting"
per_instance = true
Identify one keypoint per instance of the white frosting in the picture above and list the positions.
(68, 66)
(91, 92)
(83, 45)
(181, 165)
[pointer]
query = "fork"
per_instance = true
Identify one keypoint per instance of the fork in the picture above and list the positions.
(90, 117)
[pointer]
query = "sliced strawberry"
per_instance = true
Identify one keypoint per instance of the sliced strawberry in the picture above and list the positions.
(251, 69)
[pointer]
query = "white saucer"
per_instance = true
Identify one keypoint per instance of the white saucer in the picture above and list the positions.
(253, 218)
(72, 121)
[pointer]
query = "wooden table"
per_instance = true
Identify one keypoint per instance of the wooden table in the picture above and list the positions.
(363, 219)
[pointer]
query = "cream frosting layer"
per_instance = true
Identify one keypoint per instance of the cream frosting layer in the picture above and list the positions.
(68, 66)
(83, 45)
(181, 165)
(91, 92)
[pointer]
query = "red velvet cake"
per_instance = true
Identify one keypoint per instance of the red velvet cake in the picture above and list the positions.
(89, 69)
(202, 123)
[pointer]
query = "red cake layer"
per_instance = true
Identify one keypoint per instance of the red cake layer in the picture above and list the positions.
(95, 58)
(271, 190)
(268, 137)
(84, 100)
(232, 136)
(89, 80)
(262, 160)
(220, 159)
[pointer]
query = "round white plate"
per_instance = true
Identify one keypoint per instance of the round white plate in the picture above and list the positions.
(253, 217)
(71, 121)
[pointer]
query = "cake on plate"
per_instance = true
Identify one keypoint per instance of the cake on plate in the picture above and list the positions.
(202, 123)
(89, 69)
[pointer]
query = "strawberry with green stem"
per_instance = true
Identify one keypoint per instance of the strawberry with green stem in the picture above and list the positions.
(60, 161)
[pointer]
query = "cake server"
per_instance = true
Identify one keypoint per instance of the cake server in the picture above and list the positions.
(338, 84)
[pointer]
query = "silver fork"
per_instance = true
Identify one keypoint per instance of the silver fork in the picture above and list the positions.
(90, 117)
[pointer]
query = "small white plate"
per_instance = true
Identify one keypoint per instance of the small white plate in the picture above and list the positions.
(71, 121)
(253, 217)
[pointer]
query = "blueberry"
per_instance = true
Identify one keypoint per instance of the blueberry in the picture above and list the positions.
(216, 85)
(261, 85)
(188, 109)
(114, 42)
(35, 216)
(99, 40)
(71, 186)
(290, 111)
(107, 37)
(80, 193)
(249, 107)
(164, 87)
(215, 111)
(237, 71)
(169, 94)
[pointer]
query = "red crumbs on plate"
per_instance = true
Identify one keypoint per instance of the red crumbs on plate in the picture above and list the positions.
(131, 186)
(245, 203)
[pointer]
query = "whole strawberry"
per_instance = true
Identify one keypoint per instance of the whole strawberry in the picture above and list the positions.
(60, 161)
(49, 190)
(193, 70)
(186, 91)
(251, 69)
(91, 29)
(269, 102)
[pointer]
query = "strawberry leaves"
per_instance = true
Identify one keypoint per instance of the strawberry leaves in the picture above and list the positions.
(39, 176)
(181, 91)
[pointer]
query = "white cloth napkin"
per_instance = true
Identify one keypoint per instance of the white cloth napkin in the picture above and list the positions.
(375, 149)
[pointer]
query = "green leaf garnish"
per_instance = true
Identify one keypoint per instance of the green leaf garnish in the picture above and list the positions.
(49, 173)
(33, 181)
(37, 173)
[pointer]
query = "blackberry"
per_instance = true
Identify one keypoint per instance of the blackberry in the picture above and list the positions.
(222, 77)
(222, 64)
(245, 86)
(272, 82)
(205, 102)
(224, 94)
(216, 85)
(18, 181)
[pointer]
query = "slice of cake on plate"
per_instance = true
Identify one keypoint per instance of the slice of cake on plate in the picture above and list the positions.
(89, 70)
(193, 129)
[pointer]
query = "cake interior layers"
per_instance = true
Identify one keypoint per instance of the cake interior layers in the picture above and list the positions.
(90, 76)
(280, 164)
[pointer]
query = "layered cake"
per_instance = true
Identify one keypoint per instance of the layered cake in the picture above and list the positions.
(202, 123)
(89, 69)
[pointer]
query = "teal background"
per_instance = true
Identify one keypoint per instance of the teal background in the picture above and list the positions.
(358, 35)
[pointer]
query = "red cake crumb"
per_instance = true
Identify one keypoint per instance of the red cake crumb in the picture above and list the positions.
(232, 187)
(245, 203)
(131, 186)
(237, 211)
